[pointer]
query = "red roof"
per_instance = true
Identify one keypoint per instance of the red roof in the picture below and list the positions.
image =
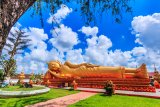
(16, 76)
(151, 73)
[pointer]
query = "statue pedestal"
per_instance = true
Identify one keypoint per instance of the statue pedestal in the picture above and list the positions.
(129, 84)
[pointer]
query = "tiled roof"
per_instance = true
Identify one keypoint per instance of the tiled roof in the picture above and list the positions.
(16, 76)
(151, 73)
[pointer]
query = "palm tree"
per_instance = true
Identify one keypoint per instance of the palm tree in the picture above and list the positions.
(17, 41)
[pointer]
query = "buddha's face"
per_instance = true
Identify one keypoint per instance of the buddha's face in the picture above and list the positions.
(54, 65)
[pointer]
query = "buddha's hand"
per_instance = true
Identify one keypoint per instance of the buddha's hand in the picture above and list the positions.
(68, 75)
(65, 75)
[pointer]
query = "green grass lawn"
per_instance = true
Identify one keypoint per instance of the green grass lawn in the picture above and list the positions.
(20, 102)
(100, 100)
(16, 88)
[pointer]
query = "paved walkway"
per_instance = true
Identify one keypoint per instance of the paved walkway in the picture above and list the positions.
(64, 101)
(146, 94)
(123, 92)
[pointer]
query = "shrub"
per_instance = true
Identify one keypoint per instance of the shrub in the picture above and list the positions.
(109, 88)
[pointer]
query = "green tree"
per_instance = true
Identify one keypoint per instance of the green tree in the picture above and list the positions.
(1, 74)
(8, 67)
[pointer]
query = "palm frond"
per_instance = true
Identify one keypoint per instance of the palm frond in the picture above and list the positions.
(8, 45)
(25, 41)
(13, 35)
(12, 40)
(22, 46)
(24, 36)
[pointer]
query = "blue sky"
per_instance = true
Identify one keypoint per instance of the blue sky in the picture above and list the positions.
(132, 42)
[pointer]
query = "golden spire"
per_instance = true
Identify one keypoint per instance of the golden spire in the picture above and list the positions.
(155, 69)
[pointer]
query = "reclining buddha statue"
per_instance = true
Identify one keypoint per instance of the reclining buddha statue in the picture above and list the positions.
(69, 70)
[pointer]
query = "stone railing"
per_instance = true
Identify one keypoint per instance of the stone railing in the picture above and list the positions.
(23, 93)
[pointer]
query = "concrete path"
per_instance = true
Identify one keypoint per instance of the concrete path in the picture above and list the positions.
(123, 92)
(64, 101)
(145, 94)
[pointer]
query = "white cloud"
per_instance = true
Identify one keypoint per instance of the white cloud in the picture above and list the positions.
(97, 49)
(75, 56)
(37, 60)
(98, 52)
(64, 38)
(39, 55)
(38, 37)
(89, 30)
(133, 64)
(92, 41)
(139, 51)
(120, 58)
(107, 57)
(104, 42)
(95, 56)
(59, 15)
(147, 30)
(33, 66)
(150, 58)
(101, 42)
(147, 33)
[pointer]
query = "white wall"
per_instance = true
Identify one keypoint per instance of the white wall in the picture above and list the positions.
(16, 80)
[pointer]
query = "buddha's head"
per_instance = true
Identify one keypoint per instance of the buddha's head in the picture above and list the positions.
(54, 66)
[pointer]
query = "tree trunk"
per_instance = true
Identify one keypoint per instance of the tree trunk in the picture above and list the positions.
(3, 78)
(10, 12)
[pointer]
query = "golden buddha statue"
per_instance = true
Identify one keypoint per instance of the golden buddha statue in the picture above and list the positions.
(69, 70)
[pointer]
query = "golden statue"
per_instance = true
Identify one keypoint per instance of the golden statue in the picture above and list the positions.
(69, 70)
(21, 77)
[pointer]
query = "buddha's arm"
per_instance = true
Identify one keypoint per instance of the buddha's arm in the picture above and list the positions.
(54, 74)
(70, 65)
(59, 75)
